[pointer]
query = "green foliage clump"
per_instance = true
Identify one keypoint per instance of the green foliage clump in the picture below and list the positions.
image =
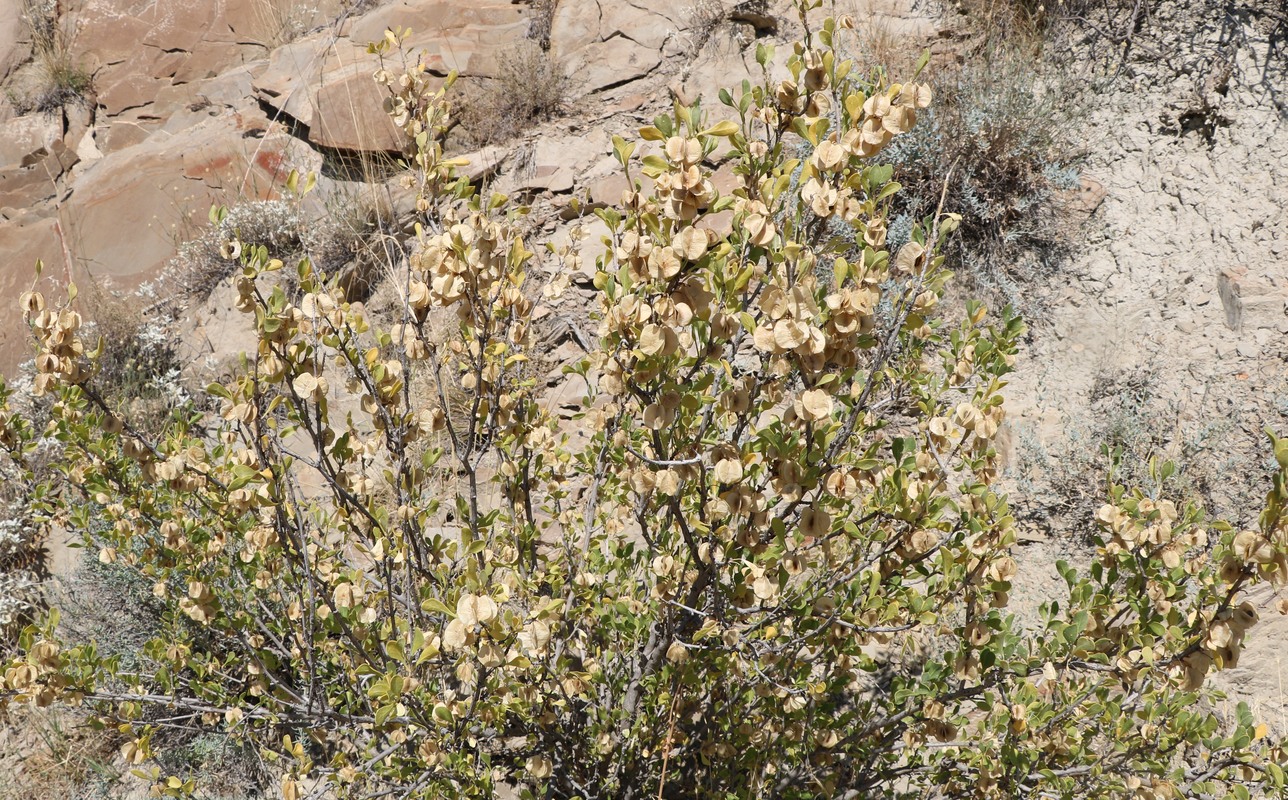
(780, 566)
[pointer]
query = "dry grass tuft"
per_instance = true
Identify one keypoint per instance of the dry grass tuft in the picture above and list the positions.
(139, 370)
(60, 758)
(201, 265)
(703, 19)
(528, 89)
(52, 79)
(355, 243)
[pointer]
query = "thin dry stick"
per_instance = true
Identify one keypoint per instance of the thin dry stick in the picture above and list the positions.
(666, 746)
(1279, 668)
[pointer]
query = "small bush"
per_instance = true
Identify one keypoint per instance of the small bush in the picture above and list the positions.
(356, 241)
(203, 263)
(61, 759)
(22, 564)
(1011, 22)
(139, 372)
(540, 21)
(778, 565)
(529, 88)
(703, 19)
(1003, 145)
(353, 241)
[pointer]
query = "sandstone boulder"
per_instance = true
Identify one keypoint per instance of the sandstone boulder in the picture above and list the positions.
(36, 177)
(21, 136)
(291, 76)
(324, 81)
(1254, 300)
(159, 191)
(11, 35)
(348, 114)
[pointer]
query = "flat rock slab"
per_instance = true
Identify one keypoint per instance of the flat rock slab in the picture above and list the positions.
(608, 44)
(22, 136)
(324, 82)
(160, 190)
(12, 49)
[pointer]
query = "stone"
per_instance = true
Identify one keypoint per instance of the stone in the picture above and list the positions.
(605, 65)
(483, 164)
(556, 164)
(230, 89)
(87, 147)
(325, 83)
(285, 82)
(643, 26)
(113, 38)
(566, 396)
(574, 26)
(431, 20)
(35, 178)
(208, 62)
(348, 115)
(468, 37)
(159, 189)
(130, 90)
(1090, 194)
(24, 135)
(755, 13)
(123, 134)
(607, 191)
(12, 48)
(1253, 301)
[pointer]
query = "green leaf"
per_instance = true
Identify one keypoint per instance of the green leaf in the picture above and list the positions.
(622, 149)
(435, 606)
(724, 129)
(922, 61)
(1276, 774)
(655, 165)
(764, 53)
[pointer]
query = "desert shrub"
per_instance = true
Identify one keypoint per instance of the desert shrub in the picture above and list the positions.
(203, 262)
(779, 567)
(60, 759)
(138, 372)
(703, 19)
(1012, 21)
(999, 150)
(22, 563)
(23, 553)
(354, 241)
(529, 87)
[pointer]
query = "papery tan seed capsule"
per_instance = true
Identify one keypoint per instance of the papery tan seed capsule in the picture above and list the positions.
(31, 303)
